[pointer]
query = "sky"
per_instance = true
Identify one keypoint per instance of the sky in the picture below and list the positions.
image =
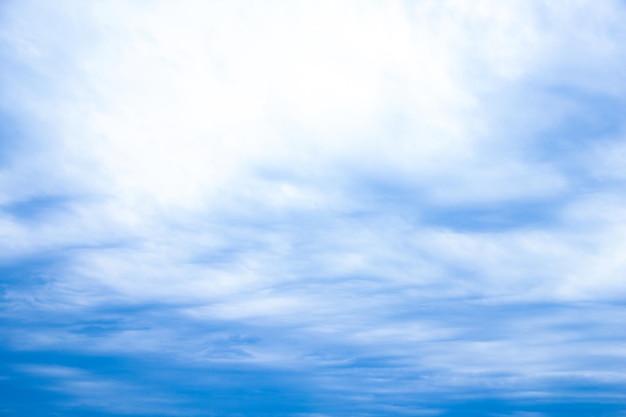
(344, 208)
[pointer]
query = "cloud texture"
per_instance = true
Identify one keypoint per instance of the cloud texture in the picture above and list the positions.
(313, 208)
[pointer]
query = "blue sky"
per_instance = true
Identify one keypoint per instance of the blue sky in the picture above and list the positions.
(312, 208)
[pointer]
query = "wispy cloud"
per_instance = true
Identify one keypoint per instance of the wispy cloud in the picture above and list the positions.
(355, 208)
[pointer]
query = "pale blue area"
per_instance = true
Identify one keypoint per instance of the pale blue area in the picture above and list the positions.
(9, 134)
(37, 208)
(591, 118)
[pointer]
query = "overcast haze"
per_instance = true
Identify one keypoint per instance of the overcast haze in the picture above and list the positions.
(312, 208)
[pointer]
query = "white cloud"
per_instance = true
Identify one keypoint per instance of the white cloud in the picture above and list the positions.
(272, 166)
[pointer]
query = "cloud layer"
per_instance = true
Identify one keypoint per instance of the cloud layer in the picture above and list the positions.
(313, 208)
